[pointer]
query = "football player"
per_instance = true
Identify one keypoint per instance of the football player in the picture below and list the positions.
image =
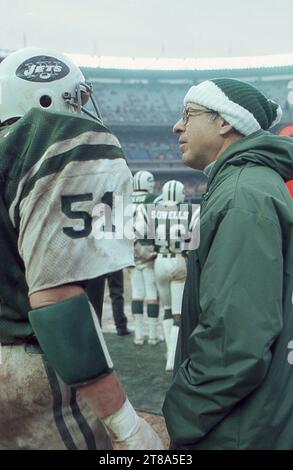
(58, 163)
(173, 221)
(143, 278)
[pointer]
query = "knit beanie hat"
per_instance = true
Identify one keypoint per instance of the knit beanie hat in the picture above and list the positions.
(239, 103)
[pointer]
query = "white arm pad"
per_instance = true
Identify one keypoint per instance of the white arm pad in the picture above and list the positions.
(130, 432)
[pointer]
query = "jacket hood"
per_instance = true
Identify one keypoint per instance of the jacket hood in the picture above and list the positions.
(259, 148)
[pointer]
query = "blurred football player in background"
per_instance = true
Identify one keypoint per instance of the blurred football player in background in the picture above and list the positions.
(173, 228)
(143, 282)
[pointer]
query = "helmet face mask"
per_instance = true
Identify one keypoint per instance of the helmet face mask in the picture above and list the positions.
(37, 78)
(173, 192)
(144, 181)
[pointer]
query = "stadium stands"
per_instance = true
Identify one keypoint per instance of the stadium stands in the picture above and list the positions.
(158, 104)
(141, 106)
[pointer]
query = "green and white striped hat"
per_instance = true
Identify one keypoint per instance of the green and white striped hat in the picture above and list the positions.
(239, 103)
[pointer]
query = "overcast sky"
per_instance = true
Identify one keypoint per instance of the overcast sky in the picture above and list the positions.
(150, 28)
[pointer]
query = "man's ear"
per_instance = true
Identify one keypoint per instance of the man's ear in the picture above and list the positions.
(225, 128)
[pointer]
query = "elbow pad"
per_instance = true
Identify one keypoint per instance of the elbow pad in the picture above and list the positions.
(71, 338)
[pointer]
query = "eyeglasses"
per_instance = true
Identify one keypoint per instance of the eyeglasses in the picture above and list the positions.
(194, 112)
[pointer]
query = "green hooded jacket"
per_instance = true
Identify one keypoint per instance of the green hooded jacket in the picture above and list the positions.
(233, 382)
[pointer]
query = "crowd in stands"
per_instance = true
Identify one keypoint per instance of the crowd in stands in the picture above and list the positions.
(142, 112)
(159, 104)
(150, 150)
(136, 104)
(278, 91)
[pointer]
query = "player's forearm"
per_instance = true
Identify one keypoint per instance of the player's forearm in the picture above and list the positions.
(54, 295)
(105, 396)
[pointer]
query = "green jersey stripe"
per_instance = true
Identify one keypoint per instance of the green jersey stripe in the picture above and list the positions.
(51, 166)
(82, 423)
(40, 135)
(57, 408)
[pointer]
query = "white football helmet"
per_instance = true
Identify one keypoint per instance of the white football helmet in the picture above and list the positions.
(39, 78)
(144, 181)
(173, 191)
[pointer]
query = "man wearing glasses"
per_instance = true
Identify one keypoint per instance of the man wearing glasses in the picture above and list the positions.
(233, 383)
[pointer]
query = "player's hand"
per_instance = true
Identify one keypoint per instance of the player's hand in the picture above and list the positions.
(128, 431)
(142, 438)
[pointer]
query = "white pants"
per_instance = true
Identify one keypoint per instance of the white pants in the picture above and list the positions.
(143, 282)
(170, 275)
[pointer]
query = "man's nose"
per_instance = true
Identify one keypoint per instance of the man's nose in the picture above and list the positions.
(179, 127)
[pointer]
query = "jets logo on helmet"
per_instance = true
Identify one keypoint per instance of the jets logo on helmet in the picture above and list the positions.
(42, 69)
(143, 181)
(173, 191)
(38, 78)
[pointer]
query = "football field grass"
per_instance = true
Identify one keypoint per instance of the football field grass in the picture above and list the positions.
(142, 371)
